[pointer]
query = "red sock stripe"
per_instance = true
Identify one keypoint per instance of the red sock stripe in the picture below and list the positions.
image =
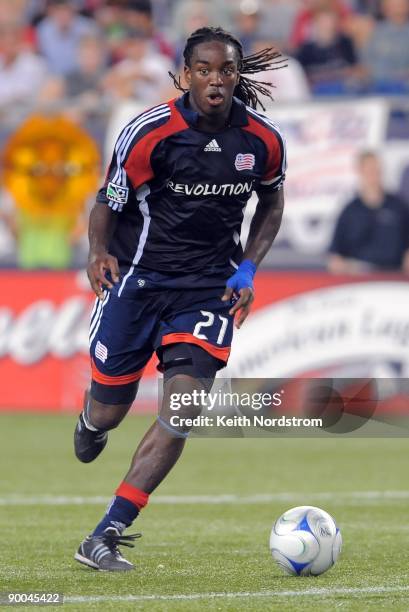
(132, 494)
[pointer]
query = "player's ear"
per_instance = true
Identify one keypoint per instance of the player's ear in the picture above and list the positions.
(188, 75)
(238, 78)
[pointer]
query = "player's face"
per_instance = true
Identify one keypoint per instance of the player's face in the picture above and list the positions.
(212, 77)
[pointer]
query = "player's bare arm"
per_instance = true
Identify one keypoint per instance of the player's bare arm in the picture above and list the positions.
(101, 226)
(263, 230)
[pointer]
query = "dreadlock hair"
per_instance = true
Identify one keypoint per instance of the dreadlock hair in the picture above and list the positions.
(247, 89)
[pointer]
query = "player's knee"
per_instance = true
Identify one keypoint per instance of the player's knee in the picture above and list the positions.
(108, 405)
(182, 398)
(178, 383)
(106, 416)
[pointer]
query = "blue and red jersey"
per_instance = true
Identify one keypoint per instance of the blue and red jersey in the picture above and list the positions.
(181, 192)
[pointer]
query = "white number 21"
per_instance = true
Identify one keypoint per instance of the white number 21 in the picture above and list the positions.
(208, 323)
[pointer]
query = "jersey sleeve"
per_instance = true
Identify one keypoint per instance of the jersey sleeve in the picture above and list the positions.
(130, 165)
(276, 164)
(120, 183)
(116, 188)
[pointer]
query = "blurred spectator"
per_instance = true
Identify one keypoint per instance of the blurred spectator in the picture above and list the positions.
(247, 22)
(386, 55)
(15, 12)
(289, 80)
(162, 10)
(196, 14)
(277, 21)
(22, 72)
(303, 23)
(88, 7)
(138, 15)
(367, 7)
(189, 15)
(83, 89)
(404, 184)
(359, 27)
(36, 10)
(328, 57)
(92, 59)
(372, 232)
(59, 34)
(110, 22)
(142, 74)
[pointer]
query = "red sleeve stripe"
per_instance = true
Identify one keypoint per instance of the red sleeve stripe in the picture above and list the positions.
(138, 165)
(122, 139)
(128, 134)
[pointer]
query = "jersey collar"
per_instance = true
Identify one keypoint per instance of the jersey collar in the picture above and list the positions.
(238, 114)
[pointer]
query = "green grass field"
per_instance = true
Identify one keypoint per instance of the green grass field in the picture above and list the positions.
(201, 551)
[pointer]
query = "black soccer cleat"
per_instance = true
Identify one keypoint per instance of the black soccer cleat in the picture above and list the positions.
(102, 552)
(88, 444)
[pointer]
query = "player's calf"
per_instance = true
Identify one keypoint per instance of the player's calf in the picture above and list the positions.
(91, 431)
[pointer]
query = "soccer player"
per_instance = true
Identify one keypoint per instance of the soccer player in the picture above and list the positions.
(164, 245)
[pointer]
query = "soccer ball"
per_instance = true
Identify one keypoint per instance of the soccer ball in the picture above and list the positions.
(305, 541)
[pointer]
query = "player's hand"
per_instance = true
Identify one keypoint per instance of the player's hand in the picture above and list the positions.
(243, 304)
(98, 265)
(240, 285)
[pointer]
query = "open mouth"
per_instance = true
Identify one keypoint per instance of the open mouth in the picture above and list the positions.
(215, 99)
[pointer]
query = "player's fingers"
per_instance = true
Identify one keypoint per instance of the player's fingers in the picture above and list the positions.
(239, 304)
(93, 281)
(98, 280)
(95, 286)
(100, 276)
(227, 294)
(104, 282)
(99, 291)
(114, 268)
(246, 296)
(243, 315)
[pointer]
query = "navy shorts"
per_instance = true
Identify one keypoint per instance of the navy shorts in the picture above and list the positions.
(128, 327)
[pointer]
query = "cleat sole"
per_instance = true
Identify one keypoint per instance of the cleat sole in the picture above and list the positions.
(85, 561)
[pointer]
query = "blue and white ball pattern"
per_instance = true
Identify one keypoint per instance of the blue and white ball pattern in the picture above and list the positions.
(305, 541)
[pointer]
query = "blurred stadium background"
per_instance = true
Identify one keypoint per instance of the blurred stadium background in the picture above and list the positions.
(73, 73)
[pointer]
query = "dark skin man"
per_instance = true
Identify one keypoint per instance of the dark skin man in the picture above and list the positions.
(189, 359)
(211, 79)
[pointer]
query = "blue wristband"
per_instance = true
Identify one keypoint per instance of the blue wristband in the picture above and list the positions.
(243, 277)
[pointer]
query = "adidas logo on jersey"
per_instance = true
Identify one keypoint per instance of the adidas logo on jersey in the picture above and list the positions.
(212, 146)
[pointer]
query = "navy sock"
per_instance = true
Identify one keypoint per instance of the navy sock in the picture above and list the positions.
(120, 514)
